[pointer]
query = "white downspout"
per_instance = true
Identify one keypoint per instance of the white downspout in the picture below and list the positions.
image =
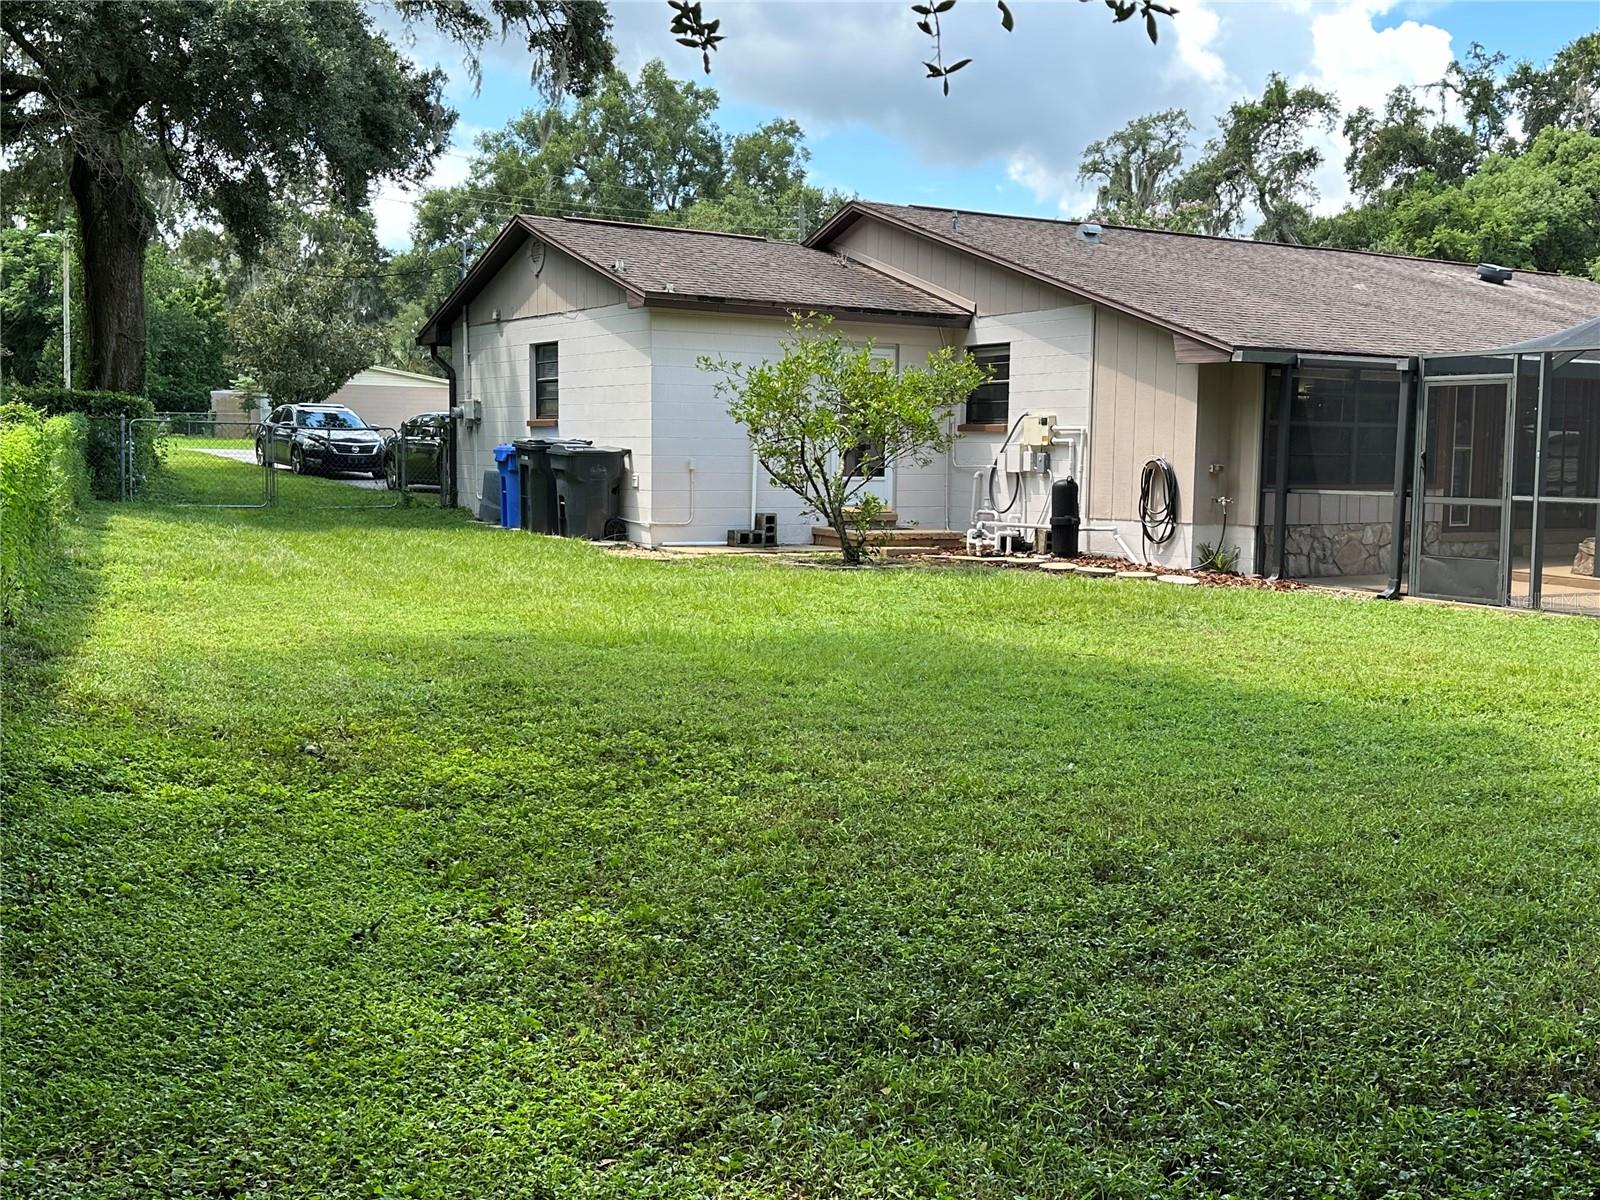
(755, 471)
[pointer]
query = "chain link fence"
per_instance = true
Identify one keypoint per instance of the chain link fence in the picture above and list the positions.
(206, 460)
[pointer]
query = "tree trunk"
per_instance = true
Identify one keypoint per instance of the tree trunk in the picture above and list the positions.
(114, 223)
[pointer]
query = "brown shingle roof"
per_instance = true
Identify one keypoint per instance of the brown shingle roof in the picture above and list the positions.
(1261, 295)
(693, 267)
(667, 264)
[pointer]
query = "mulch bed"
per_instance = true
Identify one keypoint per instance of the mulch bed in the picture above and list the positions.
(1204, 578)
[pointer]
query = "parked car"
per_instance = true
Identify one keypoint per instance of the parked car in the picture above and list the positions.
(422, 447)
(320, 438)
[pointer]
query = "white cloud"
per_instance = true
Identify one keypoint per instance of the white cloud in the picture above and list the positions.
(1361, 64)
(394, 201)
(1195, 35)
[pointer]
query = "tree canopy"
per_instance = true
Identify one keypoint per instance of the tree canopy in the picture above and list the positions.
(1487, 163)
(1137, 167)
(223, 104)
(1260, 160)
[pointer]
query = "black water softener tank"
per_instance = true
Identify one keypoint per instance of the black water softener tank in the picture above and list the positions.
(1064, 520)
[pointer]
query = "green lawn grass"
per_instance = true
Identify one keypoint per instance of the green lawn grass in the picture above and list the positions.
(192, 472)
(355, 854)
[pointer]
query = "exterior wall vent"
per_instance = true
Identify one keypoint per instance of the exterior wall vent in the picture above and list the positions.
(1089, 231)
(1490, 273)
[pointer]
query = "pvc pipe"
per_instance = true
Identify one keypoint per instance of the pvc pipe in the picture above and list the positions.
(648, 523)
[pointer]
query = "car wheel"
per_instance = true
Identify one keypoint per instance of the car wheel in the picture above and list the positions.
(390, 474)
(297, 460)
(261, 454)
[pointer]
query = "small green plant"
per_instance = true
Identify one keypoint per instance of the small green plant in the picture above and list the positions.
(1216, 557)
(252, 397)
(826, 418)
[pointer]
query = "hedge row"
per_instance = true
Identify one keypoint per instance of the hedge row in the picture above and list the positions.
(43, 479)
(106, 412)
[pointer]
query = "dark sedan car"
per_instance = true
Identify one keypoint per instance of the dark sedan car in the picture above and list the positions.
(323, 439)
(421, 449)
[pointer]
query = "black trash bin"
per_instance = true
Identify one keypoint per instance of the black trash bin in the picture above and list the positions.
(588, 487)
(539, 481)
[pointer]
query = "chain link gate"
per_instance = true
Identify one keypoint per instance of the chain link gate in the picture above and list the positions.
(209, 461)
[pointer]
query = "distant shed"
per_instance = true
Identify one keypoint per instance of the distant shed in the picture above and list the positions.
(382, 396)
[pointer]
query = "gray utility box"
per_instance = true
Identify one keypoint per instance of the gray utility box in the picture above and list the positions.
(588, 487)
(539, 481)
(489, 498)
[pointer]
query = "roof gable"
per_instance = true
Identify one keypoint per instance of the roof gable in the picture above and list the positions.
(669, 266)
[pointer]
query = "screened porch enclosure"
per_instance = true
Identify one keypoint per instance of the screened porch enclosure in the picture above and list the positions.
(1337, 486)
(1508, 471)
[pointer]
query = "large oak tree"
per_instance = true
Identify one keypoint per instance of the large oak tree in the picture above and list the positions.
(223, 103)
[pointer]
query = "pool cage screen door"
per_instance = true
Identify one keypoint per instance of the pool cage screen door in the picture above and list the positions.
(1507, 503)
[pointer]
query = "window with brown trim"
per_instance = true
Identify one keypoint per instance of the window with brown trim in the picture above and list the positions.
(545, 360)
(990, 403)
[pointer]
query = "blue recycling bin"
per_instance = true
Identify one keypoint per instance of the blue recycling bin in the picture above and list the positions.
(505, 458)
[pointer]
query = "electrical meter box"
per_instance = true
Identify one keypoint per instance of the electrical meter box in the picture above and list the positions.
(1038, 428)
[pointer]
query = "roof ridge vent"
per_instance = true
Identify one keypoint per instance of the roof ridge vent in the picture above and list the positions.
(1089, 231)
(1490, 273)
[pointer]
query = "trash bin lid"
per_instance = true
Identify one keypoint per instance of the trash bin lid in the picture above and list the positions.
(504, 452)
(575, 449)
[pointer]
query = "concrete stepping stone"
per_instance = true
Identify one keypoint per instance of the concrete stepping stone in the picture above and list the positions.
(1181, 580)
(1097, 572)
(1136, 574)
(1065, 568)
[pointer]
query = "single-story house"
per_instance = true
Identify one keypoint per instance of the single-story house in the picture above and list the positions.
(1280, 383)
(383, 397)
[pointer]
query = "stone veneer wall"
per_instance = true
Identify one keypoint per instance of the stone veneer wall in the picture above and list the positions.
(1333, 533)
(1317, 551)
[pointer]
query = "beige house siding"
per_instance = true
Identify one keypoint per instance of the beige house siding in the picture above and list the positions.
(1230, 436)
(993, 289)
(531, 285)
(1147, 405)
(1144, 406)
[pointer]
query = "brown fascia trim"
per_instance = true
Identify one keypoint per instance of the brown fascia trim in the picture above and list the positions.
(854, 212)
(775, 309)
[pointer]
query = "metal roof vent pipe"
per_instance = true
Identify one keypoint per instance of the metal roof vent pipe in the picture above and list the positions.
(955, 221)
(1490, 273)
(1089, 231)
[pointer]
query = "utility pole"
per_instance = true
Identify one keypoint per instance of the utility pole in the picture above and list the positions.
(66, 310)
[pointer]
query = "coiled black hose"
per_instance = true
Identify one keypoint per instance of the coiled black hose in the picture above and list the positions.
(1158, 502)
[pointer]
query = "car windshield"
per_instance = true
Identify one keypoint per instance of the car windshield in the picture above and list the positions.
(328, 420)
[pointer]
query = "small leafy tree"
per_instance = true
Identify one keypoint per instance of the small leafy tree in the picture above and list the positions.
(826, 415)
(252, 397)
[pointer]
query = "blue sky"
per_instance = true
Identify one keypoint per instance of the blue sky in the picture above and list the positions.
(1009, 135)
